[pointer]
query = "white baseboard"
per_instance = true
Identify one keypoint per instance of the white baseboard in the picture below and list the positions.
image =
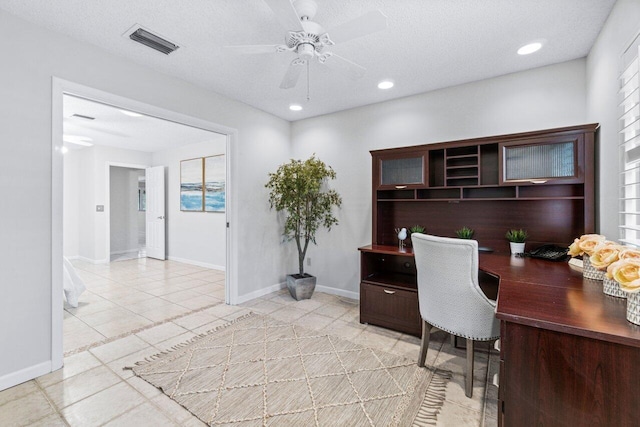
(25, 374)
(197, 263)
(260, 292)
(89, 260)
(328, 290)
(339, 292)
(128, 251)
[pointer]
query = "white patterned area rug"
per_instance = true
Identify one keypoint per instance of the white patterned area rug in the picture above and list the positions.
(257, 371)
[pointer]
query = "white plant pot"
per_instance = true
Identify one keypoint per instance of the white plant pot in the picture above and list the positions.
(516, 248)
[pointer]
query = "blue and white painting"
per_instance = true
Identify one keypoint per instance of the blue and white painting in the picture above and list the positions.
(214, 183)
(191, 185)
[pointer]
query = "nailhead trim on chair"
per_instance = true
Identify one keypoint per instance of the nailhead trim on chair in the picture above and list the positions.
(461, 336)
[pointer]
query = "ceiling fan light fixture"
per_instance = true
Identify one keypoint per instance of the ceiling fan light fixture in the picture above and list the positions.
(385, 84)
(295, 107)
(530, 48)
(306, 51)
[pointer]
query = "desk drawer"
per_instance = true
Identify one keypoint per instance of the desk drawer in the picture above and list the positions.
(391, 308)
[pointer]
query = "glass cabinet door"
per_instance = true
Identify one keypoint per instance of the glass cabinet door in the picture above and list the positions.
(540, 162)
(402, 171)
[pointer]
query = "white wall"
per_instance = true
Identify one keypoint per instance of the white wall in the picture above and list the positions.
(31, 57)
(92, 230)
(194, 237)
(72, 183)
(547, 97)
(123, 213)
(603, 69)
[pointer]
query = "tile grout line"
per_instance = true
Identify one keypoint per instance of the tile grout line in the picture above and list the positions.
(135, 331)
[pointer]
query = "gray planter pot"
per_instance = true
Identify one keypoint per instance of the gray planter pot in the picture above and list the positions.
(301, 287)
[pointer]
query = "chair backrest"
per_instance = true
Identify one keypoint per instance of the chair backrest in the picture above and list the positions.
(448, 291)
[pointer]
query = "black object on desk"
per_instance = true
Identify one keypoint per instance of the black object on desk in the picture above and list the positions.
(549, 252)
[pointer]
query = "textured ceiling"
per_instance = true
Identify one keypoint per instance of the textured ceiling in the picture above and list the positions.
(428, 44)
(113, 128)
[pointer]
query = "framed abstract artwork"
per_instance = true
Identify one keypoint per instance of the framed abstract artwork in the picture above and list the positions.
(214, 183)
(191, 188)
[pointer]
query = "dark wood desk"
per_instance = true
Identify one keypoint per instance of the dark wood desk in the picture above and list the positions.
(568, 355)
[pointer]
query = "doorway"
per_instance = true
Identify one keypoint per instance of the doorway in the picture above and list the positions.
(127, 213)
(61, 89)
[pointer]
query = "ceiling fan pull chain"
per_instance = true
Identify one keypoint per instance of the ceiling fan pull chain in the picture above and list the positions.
(308, 85)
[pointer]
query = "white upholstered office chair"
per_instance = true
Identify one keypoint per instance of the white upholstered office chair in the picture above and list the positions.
(450, 296)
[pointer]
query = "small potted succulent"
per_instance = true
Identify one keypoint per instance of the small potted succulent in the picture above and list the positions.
(416, 229)
(465, 233)
(516, 240)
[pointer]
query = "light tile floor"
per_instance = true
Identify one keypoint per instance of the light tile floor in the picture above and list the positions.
(124, 296)
(93, 390)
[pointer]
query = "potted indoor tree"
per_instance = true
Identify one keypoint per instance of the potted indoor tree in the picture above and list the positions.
(298, 189)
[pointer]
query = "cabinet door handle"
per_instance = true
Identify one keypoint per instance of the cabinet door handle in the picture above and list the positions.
(386, 291)
(400, 187)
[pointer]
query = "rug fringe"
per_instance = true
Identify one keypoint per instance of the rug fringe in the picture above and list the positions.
(433, 399)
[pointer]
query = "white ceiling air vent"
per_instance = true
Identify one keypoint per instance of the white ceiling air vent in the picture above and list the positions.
(151, 40)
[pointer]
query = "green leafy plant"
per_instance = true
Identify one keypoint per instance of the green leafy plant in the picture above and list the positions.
(298, 189)
(417, 229)
(465, 233)
(516, 236)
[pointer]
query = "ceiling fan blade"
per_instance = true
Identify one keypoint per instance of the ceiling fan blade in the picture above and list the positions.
(253, 49)
(368, 23)
(286, 14)
(292, 75)
(343, 65)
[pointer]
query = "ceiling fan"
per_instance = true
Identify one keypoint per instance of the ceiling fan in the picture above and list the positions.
(307, 39)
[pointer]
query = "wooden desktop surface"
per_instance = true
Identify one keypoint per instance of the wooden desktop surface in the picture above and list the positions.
(553, 296)
(549, 295)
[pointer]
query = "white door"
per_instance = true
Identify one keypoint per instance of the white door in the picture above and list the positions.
(155, 212)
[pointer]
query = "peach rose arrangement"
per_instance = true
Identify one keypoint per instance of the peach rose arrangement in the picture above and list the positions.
(626, 274)
(585, 244)
(622, 265)
(626, 270)
(605, 254)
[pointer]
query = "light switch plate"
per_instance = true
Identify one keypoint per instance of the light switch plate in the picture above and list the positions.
(99, 208)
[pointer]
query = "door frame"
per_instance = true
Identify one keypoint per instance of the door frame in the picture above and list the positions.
(107, 209)
(60, 87)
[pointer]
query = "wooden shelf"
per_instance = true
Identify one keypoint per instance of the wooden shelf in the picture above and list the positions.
(464, 156)
(462, 167)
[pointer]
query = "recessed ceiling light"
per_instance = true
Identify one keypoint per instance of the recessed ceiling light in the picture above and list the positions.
(295, 107)
(530, 48)
(385, 84)
(130, 113)
(64, 150)
(78, 140)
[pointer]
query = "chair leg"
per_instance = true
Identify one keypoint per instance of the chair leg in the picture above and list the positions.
(424, 345)
(468, 381)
